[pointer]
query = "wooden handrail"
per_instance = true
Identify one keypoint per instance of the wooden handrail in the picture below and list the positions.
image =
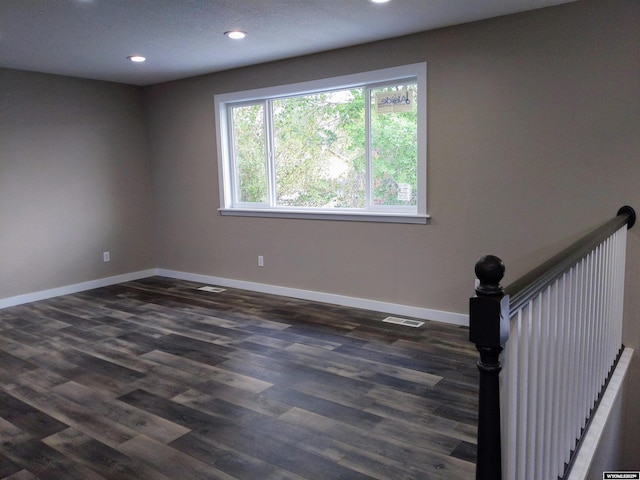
(530, 284)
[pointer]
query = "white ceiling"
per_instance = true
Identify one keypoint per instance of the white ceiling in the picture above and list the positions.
(183, 38)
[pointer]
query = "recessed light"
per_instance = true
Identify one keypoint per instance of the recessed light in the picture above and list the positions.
(136, 58)
(379, 1)
(236, 34)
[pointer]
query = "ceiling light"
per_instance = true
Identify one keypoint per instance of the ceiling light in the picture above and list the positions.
(136, 58)
(379, 1)
(236, 34)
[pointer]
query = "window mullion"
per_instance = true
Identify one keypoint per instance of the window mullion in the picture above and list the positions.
(271, 166)
(367, 146)
(234, 180)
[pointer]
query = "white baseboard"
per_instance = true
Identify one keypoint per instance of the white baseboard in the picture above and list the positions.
(367, 304)
(375, 305)
(76, 288)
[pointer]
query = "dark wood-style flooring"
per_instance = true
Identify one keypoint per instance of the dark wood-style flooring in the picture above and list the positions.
(154, 379)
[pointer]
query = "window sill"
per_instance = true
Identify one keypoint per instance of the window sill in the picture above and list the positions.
(340, 216)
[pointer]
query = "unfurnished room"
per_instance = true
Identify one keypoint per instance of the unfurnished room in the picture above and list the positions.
(319, 239)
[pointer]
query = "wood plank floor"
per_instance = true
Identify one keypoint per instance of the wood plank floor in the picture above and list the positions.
(155, 379)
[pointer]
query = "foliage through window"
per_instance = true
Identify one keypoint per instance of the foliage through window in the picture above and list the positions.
(353, 145)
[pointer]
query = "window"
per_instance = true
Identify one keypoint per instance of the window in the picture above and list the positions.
(347, 148)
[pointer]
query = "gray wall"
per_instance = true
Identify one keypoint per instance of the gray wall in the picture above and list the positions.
(532, 140)
(75, 180)
(532, 137)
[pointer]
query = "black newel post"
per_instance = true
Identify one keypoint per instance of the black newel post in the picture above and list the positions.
(485, 313)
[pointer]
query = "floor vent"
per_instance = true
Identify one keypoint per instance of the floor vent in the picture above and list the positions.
(404, 321)
(212, 289)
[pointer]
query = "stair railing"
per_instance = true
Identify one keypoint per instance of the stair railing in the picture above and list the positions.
(558, 332)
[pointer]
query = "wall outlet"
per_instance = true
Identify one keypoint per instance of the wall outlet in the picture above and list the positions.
(106, 257)
(260, 261)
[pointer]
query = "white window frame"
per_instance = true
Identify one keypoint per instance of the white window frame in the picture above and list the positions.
(417, 72)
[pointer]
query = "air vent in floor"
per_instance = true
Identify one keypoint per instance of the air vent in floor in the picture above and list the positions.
(212, 289)
(404, 321)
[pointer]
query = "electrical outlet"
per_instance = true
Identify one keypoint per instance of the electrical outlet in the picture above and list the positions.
(260, 261)
(106, 257)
